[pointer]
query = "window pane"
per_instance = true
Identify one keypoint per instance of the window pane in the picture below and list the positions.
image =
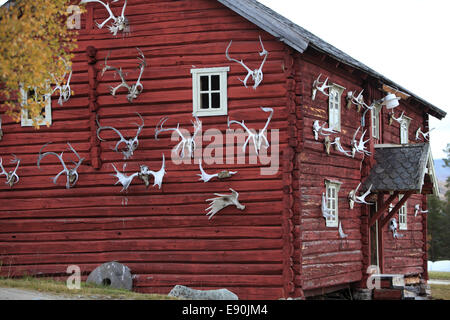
(204, 83)
(215, 101)
(204, 101)
(215, 82)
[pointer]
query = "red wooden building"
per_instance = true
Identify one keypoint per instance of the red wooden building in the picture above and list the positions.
(280, 245)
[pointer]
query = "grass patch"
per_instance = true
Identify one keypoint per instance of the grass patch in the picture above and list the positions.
(439, 275)
(87, 291)
(440, 292)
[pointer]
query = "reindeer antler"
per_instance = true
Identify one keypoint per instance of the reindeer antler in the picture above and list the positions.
(257, 74)
(120, 23)
(71, 174)
(11, 177)
(131, 144)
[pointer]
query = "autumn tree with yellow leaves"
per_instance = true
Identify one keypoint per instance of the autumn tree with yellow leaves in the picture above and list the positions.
(35, 50)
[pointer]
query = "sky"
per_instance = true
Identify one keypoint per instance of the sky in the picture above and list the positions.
(407, 41)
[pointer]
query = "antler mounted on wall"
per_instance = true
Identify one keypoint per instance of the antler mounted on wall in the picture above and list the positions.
(326, 213)
(222, 201)
(64, 88)
(71, 174)
(319, 86)
(135, 89)
(131, 144)
(188, 143)
(257, 138)
(417, 209)
(120, 23)
(393, 226)
(317, 128)
(425, 136)
(338, 147)
(158, 176)
(257, 74)
(342, 235)
(205, 177)
(353, 198)
(11, 177)
(122, 178)
(359, 146)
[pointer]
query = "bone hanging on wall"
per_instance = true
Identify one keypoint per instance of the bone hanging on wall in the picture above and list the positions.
(131, 144)
(319, 86)
(11, 177)
(393, 226)
(359, 146)
(353, 198)
(205, 177)
(326, 213)
(417, 209)
(71, 174)
(158, 176)
(320, 129)
(123, 178)
(64, 88)
(257, 74)
(222, 201)
(339, 148)
(188, 143)
(425, 136)
(119, 23)
(257, 138)
(342, 235)
(134, 90)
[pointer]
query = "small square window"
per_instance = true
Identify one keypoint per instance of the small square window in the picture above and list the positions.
(209, 91)
(46, 114)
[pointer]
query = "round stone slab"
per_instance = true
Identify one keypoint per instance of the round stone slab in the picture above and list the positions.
(112, 274)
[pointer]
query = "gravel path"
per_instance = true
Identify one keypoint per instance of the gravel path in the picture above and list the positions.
(21, 294)
(447, 282)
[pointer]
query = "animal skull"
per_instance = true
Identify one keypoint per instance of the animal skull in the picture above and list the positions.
(158, 176)
(394, 228)
(135, 89)
(131, 144)
(257, 138)
(120, 23)
(11, 177)
(188, 143)
(205, 177)
(71, 174)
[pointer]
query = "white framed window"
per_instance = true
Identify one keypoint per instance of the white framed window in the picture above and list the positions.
(375, 117)
(209, 91)
(404, 130)
(46, 114)
(403, 215)
(332, 198)
(334, 106)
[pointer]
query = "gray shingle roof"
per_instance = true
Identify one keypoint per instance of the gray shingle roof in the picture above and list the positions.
(398, 168)
(300, 39)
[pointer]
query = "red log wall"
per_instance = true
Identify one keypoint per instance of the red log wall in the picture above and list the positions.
(162, 235)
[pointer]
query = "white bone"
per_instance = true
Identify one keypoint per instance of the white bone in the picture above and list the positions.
(319, 86)
(342, 235)
(257, 138)
(362, 198)
(157, 176)
(134, 90)
(257, 74)
(417, 210)
(399, 119)
(131, 144)
(64, 89)
(222, 201)
(71, 174)
(359, 146)
(123, 179)
(184, 143)
(394, 227)
(11, 177)
(317, 128)
(426, 136)
(337, 143)
(120, 23)
(205, 177)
